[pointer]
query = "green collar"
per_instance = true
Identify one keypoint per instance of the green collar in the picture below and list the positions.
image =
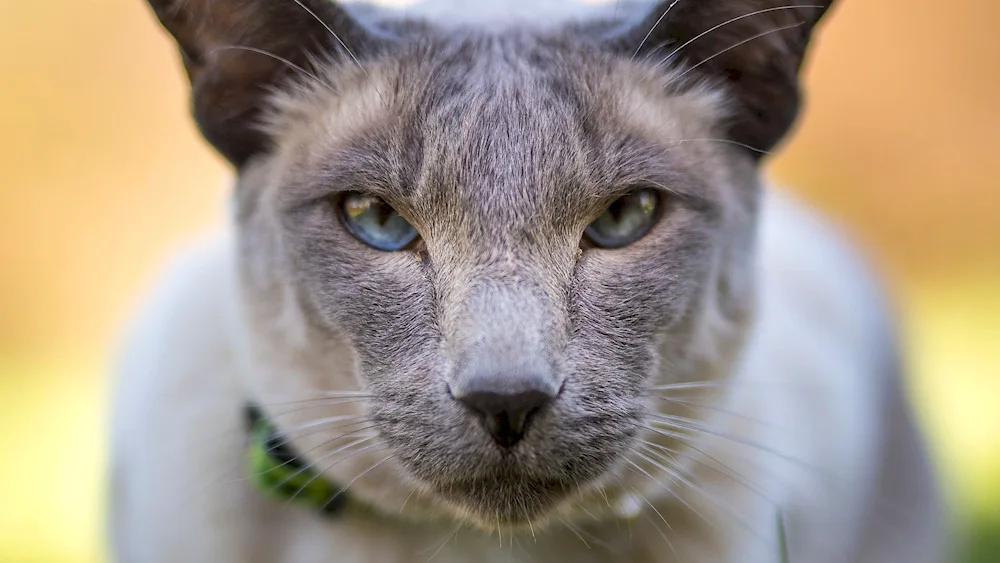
(274, 468)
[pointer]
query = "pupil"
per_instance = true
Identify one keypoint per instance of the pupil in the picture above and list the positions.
(383, 212)
(616, 210)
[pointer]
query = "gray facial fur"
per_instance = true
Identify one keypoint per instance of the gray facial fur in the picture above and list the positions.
(500, 146)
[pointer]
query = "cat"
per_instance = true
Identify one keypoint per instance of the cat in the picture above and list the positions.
(505, 282)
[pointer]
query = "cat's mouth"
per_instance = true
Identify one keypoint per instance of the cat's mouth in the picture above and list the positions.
(508, 502)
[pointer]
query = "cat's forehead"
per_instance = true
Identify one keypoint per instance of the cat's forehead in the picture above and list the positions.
(497, 124)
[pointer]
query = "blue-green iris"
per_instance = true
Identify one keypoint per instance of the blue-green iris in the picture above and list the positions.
(626, 220)
(375, 222)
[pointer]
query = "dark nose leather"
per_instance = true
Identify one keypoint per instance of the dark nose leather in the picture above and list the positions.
(506, 415)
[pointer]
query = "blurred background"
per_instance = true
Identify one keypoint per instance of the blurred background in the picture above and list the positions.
(104, 176)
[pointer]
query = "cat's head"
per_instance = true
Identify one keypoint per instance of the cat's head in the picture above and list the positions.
(503, 239)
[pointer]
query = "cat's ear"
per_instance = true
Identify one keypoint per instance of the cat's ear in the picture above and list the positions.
(236, 51)
(754, 46)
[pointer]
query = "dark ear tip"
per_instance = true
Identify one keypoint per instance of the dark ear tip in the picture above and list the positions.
(167, 9)
(754, 47)
(824, 10)
(276, 38)
(821, 12)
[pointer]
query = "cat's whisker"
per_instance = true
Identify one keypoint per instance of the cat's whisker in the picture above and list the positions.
(510, 546)
(223, 434)
(672, 191)
(671, 475)
(344, 45)
(309, 465)
(323, 424)
(317, 474)
(703, 385)
(224, 476)
(645, 59)
(742, 480)
(731, 47)
(628, 521)
(406, 500)
(325, 443)
(305, 467)
(665, 461)
(681, 423)
(728, 142)
(652, 28)
(733, 20)
(653, 69)
(656, 527)
(190, 490)
(355, 479)
(316, 79)
(734, 386)
(689, 441)
(313, 423)
(728, 507)
(604, 494)
(499, 530)
(320, 403)
(655, 49)
(575, 531)
(652, 506)
(521, 548)
(320, 394)
(677, 418)
(285, 437)
(727, 472)
(712, 408)
(440, 545)
(585, 510)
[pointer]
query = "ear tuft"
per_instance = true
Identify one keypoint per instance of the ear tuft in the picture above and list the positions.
(755, 46)
(236, 51)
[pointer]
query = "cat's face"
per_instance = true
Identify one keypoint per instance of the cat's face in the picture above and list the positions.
(505, 240)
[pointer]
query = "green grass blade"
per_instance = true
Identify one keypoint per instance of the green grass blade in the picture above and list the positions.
(782, 538)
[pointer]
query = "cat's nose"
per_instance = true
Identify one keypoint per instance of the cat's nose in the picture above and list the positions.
(506, 415)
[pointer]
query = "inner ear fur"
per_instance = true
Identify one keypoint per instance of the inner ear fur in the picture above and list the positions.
(756, 48)
(223, 45)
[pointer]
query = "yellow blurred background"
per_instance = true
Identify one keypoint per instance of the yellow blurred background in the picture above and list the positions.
(103, 176)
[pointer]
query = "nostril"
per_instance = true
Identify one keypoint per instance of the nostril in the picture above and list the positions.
(506, 415)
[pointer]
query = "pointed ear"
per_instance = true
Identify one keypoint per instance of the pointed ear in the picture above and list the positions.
(755, 46)
(236, 51)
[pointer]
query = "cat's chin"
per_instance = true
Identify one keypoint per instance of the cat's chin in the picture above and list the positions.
(511, 504)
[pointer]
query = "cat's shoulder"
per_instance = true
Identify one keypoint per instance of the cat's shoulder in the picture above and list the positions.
(809, 262)
(826, 310)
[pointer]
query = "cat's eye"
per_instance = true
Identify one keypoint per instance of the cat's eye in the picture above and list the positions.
(375, 223)
(626, 220)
